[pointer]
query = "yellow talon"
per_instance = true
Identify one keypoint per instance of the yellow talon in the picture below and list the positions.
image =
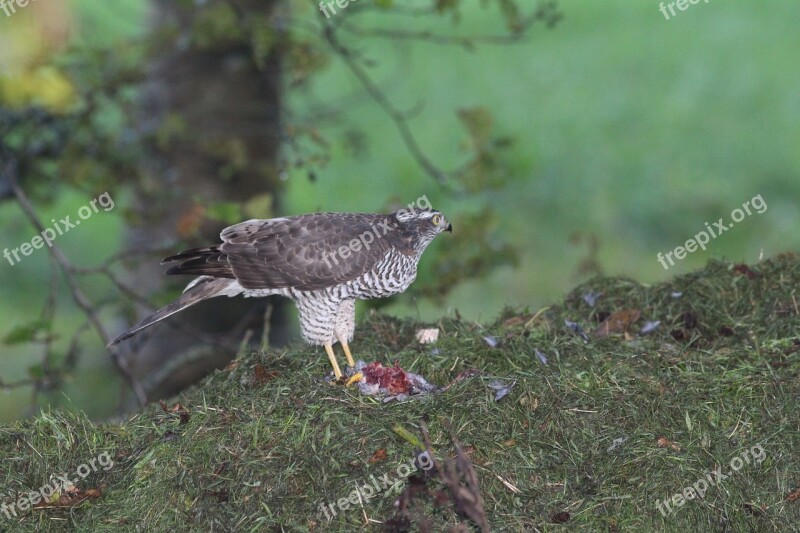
(358, 376)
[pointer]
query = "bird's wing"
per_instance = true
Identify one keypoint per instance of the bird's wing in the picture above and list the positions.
(307, 252)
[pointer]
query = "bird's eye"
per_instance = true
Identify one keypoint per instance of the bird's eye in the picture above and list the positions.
(436, 219)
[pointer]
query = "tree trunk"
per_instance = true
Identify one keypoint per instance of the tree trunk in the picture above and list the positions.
(213, 110)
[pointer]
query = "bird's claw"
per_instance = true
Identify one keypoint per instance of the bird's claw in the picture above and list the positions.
(355, 378)
(346, 381)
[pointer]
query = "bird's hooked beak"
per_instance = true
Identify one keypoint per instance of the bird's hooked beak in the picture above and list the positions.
(449, 228)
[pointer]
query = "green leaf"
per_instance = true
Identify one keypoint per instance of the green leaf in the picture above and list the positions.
(26, 332)
(228, 212)
(443, 6)
(259, 206)
(36, 371)
(511, 14)
(478, 122)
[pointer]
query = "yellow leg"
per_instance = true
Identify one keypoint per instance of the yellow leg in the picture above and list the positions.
(334, 364)
(347, 353)
(358, 376)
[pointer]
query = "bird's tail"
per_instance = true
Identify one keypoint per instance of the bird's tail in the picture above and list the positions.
(202, 288)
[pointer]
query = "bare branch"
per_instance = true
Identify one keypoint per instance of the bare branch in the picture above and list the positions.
(466, 42)
(380, 98)
(546, 12)
(68, 271)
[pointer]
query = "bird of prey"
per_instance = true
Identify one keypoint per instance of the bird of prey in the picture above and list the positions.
(322, 261)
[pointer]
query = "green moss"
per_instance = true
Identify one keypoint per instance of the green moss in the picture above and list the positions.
(716, 381)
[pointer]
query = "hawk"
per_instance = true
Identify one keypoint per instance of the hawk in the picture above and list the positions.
(322, 261)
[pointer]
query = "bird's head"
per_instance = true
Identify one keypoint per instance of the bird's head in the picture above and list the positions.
(421, 226)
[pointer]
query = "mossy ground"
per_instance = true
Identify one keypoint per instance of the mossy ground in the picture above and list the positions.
(593, 439)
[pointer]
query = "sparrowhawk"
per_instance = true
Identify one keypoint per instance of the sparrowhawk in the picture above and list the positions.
(322, 261)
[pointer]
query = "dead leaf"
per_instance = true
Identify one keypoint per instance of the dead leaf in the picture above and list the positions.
(379, 455)
(745, 270)
(617, 322)
(263, 375)
(529, 400)
(69, 497)
(92, 493)
(190, 221)
(516, 321)
(177, 408)
(173, 409)
(664, 442)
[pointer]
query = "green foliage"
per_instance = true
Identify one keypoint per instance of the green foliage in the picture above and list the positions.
(511, 14)
(228, 212)
(478, 249)
(87, 147)
(264, 39)
(260, 206)
(218, 22)
(28, 332)
(449, 7)
(304, 59)
(487, 170)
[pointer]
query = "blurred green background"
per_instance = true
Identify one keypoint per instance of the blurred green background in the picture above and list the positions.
(629, 133)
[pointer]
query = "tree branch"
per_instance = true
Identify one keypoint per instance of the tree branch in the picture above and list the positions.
(68, 270)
